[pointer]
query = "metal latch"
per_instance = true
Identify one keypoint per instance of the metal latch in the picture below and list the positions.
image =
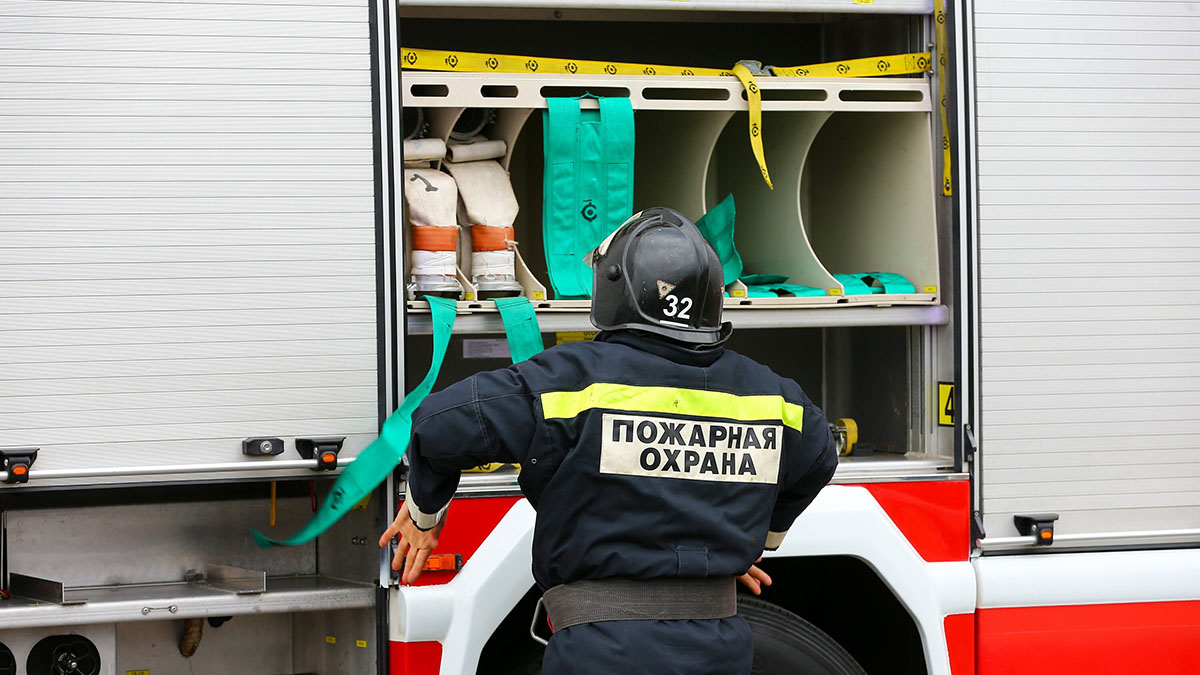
(262, 446)
(324, 450)
(1039, 525)
(16, 461)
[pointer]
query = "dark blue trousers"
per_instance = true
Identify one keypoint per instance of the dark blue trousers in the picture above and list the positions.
(709, 647)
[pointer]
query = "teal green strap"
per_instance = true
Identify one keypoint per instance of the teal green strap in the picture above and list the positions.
(764, 279)
(562, 117)
(374, 463)
(853, 284)
(587, 185)
(861, 283)
(892, 283)
(717, 227)
(521, 327)
(776, 290)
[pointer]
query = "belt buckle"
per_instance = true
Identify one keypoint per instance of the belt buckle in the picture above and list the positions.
(539, 611)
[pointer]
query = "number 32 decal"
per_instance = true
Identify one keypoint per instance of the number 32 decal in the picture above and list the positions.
(679, 308)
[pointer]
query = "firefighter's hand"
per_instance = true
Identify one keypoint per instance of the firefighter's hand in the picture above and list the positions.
(755, 579)
(414, 547)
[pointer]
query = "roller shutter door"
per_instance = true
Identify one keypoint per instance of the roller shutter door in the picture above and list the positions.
(1089, 222)
(187, 229)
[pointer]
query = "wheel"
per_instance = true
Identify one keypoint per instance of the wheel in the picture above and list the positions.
(8, 664)
(785, 644)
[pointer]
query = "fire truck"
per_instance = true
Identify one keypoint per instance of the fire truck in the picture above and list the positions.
(208, 308)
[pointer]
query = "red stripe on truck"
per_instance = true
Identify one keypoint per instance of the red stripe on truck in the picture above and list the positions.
(1139, 637)
(934, 516)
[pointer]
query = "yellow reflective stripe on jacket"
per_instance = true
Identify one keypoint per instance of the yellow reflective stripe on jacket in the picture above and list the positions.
(632, 398)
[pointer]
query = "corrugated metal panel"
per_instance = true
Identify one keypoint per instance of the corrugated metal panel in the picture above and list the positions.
(1089, 222)
(187, 230)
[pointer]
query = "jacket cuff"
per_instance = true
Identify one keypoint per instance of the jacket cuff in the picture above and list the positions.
(774, 540)
(424, 521)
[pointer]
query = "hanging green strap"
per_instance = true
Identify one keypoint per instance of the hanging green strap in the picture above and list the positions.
(374, 463)
(521, 327)
(379, 458)
(587, 185)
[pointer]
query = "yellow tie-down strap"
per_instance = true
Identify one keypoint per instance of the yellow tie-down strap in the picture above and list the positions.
(476, 62)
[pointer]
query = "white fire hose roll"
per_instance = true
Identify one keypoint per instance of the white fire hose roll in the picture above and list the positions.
(475, 151)
(424, 149)
(493, 263)
(431, 263)
(431, 197)
(486, 192)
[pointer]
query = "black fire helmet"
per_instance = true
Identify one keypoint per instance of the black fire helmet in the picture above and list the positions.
(656, 273)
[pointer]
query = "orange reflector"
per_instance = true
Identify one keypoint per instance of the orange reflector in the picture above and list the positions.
(20, 469)
(1046, 534)
(328, 457)
(443, 562)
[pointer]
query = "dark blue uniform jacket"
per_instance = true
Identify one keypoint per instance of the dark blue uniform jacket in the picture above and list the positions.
(643, 458)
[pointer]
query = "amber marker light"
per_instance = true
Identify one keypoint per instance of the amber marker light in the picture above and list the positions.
(443, 562)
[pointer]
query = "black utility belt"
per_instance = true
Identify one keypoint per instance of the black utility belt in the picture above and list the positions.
(628, 600)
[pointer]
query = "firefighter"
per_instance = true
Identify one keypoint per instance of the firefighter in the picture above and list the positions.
(660, 463)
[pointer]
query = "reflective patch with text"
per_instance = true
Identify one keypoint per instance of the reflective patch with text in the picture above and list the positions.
(662, 447)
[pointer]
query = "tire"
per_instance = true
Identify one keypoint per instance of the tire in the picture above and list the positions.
(785, 644)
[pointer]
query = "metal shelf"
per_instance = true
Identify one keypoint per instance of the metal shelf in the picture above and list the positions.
(488, 321)
(180, 600)
(850, 471)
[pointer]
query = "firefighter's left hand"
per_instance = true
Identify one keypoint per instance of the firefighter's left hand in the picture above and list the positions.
(755, 579)
(414, 547)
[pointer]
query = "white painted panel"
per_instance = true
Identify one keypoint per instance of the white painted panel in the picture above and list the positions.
(188, 247)
(1089, 222)
(1088, 578)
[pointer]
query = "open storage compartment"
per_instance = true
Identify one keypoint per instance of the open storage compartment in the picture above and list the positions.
(867, 200)
(852, 164)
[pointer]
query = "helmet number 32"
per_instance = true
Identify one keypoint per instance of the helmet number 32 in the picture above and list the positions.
(679, 308)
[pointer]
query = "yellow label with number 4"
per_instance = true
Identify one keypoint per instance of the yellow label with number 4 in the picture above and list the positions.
(945, 404)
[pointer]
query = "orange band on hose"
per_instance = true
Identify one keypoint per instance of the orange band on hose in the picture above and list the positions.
(486, 238)
(432, 238)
